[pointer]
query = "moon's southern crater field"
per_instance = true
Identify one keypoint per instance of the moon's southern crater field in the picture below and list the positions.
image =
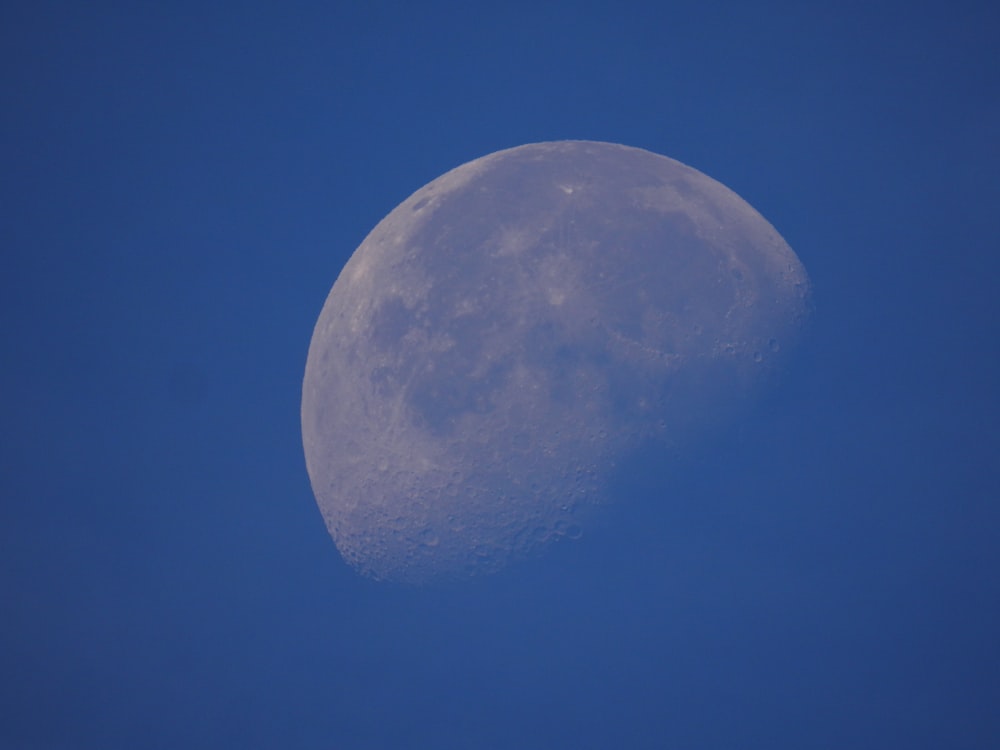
(515, 329)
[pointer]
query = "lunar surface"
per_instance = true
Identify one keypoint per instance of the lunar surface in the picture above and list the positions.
(517, 327)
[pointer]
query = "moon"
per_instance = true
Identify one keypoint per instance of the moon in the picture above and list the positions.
(517, 327)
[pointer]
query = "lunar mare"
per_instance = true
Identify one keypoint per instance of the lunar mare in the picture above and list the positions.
(513, 330)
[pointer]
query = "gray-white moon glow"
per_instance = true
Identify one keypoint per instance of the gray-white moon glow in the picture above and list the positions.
(513, 330)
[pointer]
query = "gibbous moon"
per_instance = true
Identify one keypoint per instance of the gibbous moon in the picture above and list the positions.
(513, 330)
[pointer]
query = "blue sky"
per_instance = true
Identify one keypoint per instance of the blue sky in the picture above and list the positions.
(181, 186)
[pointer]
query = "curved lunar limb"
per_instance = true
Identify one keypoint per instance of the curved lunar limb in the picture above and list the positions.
(513, 330)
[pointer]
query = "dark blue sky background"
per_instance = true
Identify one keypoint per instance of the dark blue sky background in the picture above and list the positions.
(181, 184)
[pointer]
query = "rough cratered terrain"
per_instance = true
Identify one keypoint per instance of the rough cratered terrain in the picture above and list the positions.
(515, 328)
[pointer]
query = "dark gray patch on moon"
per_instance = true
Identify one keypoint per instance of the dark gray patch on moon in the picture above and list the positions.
(513, 330)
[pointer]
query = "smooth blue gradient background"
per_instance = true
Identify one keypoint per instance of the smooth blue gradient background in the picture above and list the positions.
(181, 184)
